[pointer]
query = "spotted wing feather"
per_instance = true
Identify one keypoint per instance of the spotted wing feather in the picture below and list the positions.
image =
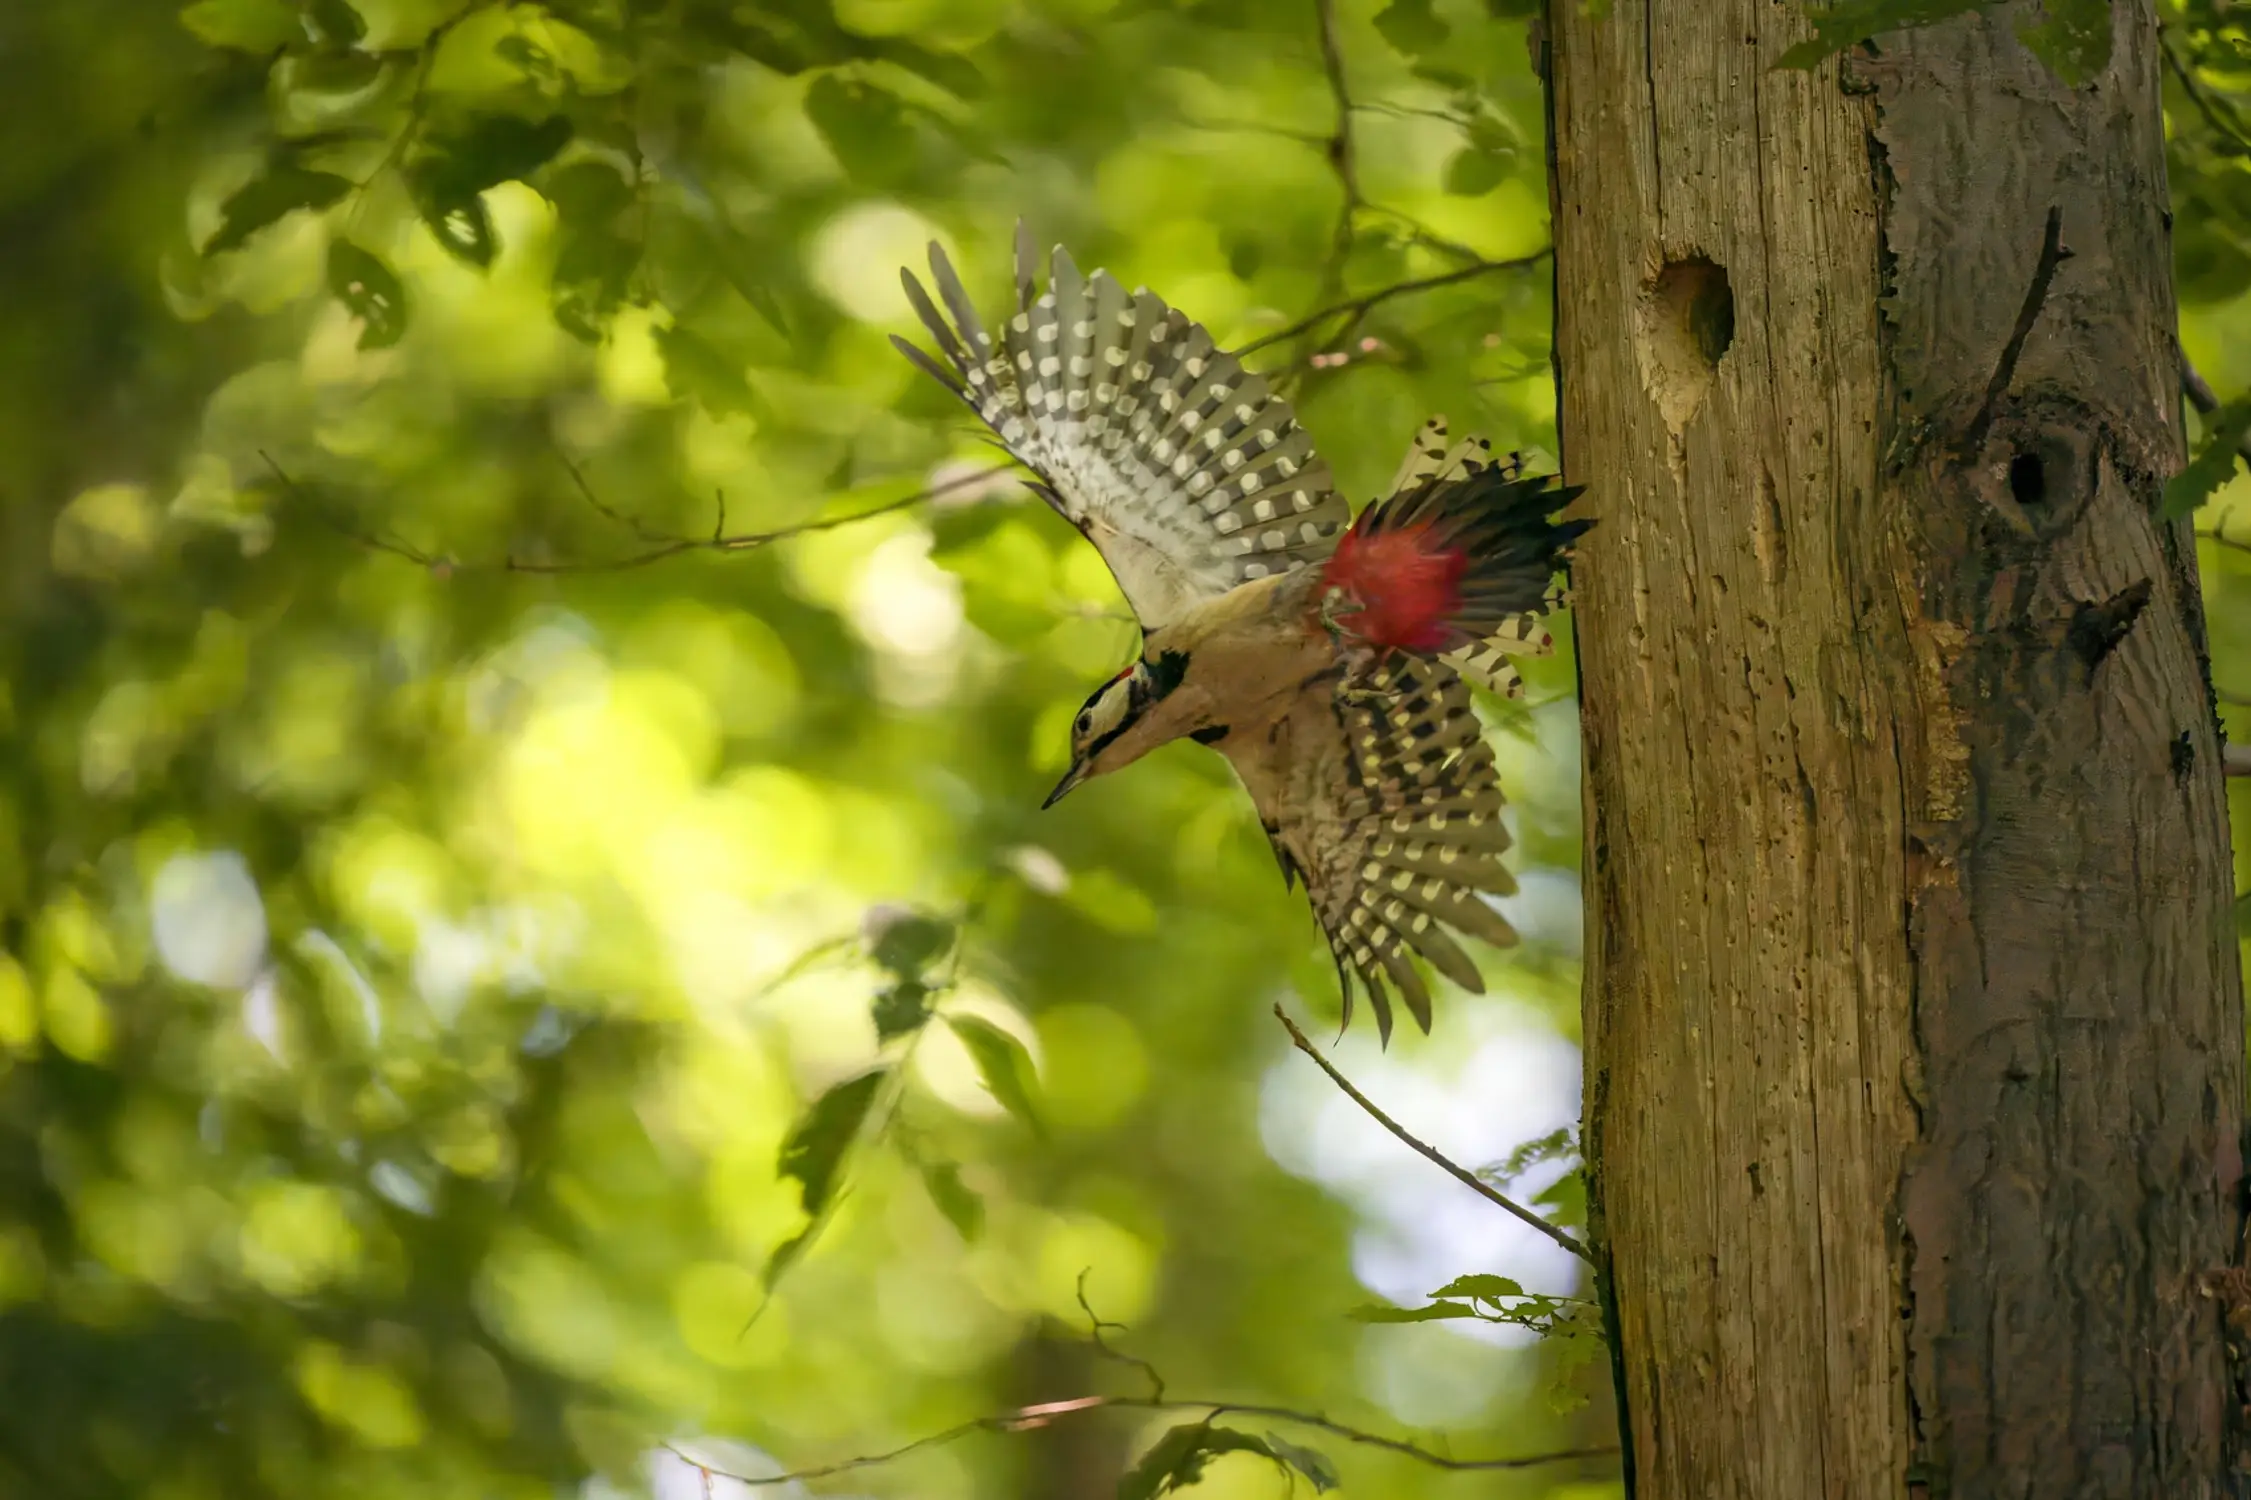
(1186, 472)
(1389, 809)
(1431, 458)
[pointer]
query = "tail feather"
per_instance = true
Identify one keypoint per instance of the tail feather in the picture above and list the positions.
(1458, 563)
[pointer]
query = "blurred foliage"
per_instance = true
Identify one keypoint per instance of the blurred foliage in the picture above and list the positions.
(476, 912)
(476, 905)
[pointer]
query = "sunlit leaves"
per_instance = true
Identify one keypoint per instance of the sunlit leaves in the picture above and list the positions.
(595, 255)
(370, 291)
(901, 1008)
(865, 125)
(1413, 27)
(906, 941)
(279, 191)
(1178, 1459)
(1002, 1063)
(815, 1152)
(456, 166)
(817, 1146)
(260, 26)
(961, 1206)
(2215, 460)
(696, 370)
(1573, 1325)
(334, 23)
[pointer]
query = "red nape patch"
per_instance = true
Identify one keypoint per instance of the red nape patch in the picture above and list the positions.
(1406, 587)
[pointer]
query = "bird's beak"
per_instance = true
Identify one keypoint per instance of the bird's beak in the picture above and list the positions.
(1071, 778)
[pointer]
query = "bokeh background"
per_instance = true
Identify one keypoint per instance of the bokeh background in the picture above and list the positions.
(429, 915)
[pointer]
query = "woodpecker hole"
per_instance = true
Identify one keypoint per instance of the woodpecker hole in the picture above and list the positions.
(1687, 327)
(2028, 481)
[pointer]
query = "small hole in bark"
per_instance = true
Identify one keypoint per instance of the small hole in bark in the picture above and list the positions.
(2028, 481)
(1687, 326)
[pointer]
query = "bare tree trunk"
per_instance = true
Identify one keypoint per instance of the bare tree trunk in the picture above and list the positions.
(1913, 1013)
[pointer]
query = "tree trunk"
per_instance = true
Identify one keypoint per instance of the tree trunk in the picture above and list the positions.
(1913, 1012)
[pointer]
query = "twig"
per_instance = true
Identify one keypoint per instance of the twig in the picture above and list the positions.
(2237, 143)
(2207, 401)
(2052, 255)
(1461, 1174)
(1094, 1327)
(718, 541)
(1343, 151)
(2220, 538)
(1360, 306)
(1024, 1418)
(2235, 760)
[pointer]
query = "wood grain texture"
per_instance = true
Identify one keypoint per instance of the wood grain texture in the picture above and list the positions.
(1913, 1023)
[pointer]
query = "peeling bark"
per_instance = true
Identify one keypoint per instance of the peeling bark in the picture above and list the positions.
(1914, 1021)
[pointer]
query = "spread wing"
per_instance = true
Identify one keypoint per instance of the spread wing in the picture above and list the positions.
(1484, 662)
(1384, 799)
(1187, 473)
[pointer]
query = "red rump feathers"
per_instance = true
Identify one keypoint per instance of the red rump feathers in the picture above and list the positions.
(1449, 561)
(1403, 586)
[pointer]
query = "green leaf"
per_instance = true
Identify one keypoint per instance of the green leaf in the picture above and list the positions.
(817, 1145)
(2214, 463)
(593, 270)
(696, 370)
(464, 228)
(1489, 1288)
(784, 1253)
(1002, 1062)
(1847, 25)
(1176, 1460)
(905, 941)
(370, 291)
(963, 1209)
(335, 23)
(902, 1008)
(487, 150)
(1310, 1462)
(1412, 27)
(865, 126)
(2074, 40)
(1566, 1198)
(1436, 1312)
(244, 25)
(1472, 173)
(956, 74)
(265, 199)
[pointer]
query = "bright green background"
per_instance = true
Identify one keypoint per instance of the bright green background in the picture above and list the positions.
(414, 966)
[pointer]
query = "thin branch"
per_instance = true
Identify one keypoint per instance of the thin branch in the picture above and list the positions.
(718, 541)
(1362, 305)
(1461, 1174)
(2220, 538)
(2235, 760)
(2236, 141)
(1094, 1326)
(1025, 1418)
(1343, 150)
(2052, 255)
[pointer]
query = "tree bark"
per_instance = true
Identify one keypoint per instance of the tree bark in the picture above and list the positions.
(1913, 1011)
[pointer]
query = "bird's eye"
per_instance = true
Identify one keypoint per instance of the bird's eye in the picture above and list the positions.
(1084, 723)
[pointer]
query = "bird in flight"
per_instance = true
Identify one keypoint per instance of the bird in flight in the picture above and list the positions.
(1327, 659)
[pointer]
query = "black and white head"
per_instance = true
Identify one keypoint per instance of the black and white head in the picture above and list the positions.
(1113, 728)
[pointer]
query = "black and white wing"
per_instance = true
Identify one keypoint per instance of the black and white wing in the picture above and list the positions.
(1186, 472)
(1385, 801)
(1430, 459)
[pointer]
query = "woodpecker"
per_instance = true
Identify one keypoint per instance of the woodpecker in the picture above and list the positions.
(1328, 659)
